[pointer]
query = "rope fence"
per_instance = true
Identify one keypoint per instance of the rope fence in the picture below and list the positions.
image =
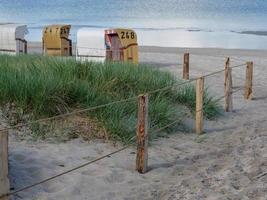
(142, 128)
(87, 163)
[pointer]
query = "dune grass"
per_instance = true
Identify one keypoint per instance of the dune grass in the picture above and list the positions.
(48, 86)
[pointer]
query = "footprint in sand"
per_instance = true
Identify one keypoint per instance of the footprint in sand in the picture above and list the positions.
(32, 170)
(58, 163)
(109, 196)
(95, 171)
(29, 160)
(38, 173)
(18, 157)
(115, 177)
(53, 187)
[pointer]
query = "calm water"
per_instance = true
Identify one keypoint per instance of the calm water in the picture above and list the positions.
(184, 23)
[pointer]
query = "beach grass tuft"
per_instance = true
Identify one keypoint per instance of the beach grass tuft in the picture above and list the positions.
(47, 86)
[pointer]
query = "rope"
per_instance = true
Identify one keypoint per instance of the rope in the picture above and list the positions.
(105, 105)
(259, 65)
(213, 73)
(254, 64)
(235, 91)
(223, 56)
(219, 56)
(83, 165)
(238, 59)
(219, 71)
(222, 97)
(108, 104)
(171, 86)
(259, 85)
(64, 173)
(93, 108)
(107, 155)
(236, 66)
(172, 123)
(68, 114)
(243, 60)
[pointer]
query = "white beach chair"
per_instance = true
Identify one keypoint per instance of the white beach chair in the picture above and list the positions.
(90, 45)
(12, 38)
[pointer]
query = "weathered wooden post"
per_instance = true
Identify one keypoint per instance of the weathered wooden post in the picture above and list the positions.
(4, 181)
(249, 81)
(142, 134)
(199, 105)
(186, 67)
(228, 107)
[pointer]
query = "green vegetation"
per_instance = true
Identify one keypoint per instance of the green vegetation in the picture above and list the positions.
(46, 86)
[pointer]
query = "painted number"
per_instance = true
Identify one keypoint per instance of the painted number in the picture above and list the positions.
(127, 35)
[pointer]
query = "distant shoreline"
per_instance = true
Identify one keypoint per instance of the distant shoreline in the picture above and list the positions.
(186, 29)
(259, 33)
(36, 48)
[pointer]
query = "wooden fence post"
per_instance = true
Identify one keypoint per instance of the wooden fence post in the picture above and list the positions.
(249, 81)
(4, 181)
(228, 82)
(186, 67)
(199, 105)
(142, 134)
(227, 65)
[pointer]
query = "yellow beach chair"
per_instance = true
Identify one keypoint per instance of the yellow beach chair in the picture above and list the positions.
(56, 40)
(121, 45)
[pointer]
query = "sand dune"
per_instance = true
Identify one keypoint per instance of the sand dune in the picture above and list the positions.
(225, 163)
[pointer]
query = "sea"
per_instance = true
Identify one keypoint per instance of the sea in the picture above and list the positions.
(234, 24)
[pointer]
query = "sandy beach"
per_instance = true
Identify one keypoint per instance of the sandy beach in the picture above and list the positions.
(226, 163)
